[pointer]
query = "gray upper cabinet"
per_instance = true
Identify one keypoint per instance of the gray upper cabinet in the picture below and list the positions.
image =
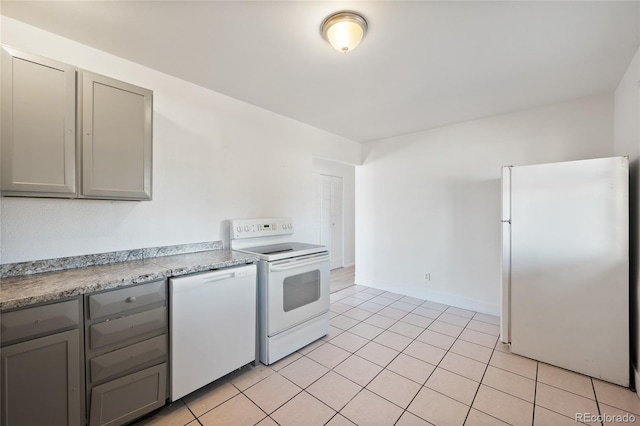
(38, 126)
(71, 133)
(116, 139)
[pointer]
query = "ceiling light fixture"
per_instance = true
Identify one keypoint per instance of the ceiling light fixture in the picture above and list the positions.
(344, 30)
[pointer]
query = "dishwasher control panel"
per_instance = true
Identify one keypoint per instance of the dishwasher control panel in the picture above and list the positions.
(252, 228)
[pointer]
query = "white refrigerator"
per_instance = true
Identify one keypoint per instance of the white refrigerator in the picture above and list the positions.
(565, 265)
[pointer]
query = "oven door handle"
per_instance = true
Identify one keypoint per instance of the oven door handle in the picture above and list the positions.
(292, 264)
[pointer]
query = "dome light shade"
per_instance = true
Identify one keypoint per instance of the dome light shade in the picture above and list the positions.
(344, 30)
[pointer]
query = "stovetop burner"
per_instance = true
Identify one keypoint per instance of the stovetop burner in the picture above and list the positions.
(284, 250)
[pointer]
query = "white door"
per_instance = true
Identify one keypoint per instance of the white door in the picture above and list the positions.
(331, 229)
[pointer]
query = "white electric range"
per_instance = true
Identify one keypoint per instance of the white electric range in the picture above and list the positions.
(293, 285)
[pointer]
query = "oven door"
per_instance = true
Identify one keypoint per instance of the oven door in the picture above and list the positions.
(298, 290)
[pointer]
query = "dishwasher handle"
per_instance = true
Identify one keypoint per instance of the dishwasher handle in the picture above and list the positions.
(220, 277)
(191, 282)
(225, 274)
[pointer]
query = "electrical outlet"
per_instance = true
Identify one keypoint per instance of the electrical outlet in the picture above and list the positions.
(427, 276)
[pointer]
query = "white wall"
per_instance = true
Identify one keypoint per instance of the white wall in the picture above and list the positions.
(215, 158)
(627, 142)
(429, 201)
(348, 174)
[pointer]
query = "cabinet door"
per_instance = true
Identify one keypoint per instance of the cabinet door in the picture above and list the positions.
(41, 381)
(116, 139)
(39, 126)
(125, 399)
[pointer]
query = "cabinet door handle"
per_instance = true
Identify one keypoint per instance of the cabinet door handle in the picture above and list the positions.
(130, 299)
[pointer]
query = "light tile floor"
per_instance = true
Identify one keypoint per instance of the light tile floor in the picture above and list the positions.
(395, 360)
(342, 278)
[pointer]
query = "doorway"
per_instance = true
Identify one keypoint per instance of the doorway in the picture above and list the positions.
(331, 217)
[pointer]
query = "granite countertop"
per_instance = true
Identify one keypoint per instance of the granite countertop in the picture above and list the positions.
(188, 263)
(25, 290)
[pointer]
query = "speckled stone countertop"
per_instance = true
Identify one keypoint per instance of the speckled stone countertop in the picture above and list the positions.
(182, 264)
(25, 290)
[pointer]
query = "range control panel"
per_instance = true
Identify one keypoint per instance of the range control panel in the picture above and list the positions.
(252, 228)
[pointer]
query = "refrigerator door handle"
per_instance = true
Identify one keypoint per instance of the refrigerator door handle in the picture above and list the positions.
(505, 296)
(505, 317)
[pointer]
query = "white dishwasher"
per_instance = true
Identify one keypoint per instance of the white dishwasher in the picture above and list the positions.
(212, 317)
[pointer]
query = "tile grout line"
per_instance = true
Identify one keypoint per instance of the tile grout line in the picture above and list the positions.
(369, 382)
(404, 410)
(242, 392)
(480, 384)
(387, 364)
(212, 408)
(354, 354)
(564, 390)
(304, 389)
(422, 384)
(281, 405)
(425, 382)
(446, 352)
(385, 367)
(452, 372)
(347, 378)
(595, 395)
(254, 403)
(535, 395)
(433, 371)
(536, 381)
(192, 413)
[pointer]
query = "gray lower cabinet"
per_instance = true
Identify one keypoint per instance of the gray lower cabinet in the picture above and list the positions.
(126, 352)
(42, 375)
(119, 353)
(122, 400)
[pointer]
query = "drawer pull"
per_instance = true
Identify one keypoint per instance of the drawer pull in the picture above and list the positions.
(120, 300)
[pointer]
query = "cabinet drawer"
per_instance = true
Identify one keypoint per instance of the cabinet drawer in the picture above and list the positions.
(120, 401)
(115, 362)
(39, 320)
(108, 332)
(117, 301)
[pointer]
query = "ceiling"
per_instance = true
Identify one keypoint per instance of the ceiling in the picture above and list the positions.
(423, 64)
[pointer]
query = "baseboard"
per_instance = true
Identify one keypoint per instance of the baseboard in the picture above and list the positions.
(434, 296)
